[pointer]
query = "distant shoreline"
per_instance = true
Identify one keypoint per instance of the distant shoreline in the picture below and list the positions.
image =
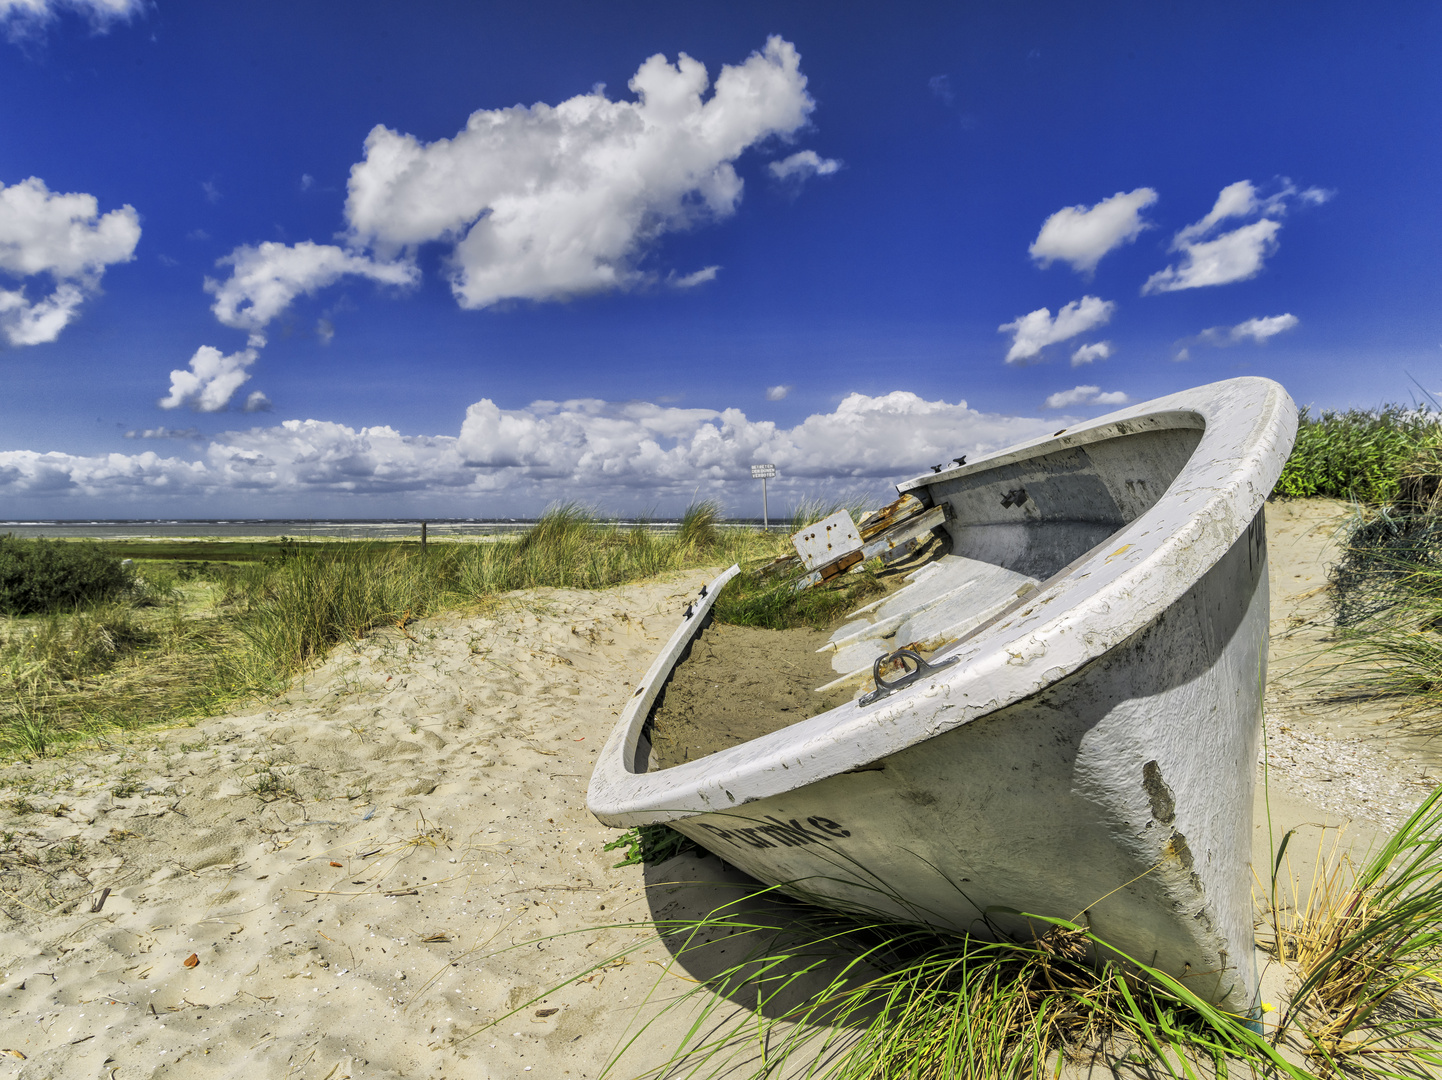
(299, 528)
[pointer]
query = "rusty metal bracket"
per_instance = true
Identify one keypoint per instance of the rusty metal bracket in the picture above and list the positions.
(886, 689)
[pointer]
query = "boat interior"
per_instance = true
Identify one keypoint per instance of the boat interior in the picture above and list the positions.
(1013, 525)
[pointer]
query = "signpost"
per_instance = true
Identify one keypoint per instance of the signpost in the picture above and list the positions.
(763, 473)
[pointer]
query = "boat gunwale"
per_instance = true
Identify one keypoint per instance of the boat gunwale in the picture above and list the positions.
(1094, 431)
(1233, 468)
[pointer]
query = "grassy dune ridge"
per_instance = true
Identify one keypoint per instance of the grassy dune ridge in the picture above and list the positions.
(182, 640)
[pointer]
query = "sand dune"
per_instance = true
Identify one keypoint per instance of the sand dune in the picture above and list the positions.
(340, 866)
(356, 880)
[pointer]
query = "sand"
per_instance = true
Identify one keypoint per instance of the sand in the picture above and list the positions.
(769, 679)
(1327, 748)
(342, 866)
(370, 869)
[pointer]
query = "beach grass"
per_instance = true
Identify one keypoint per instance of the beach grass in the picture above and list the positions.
(851, 997)
(765, 597)
(1386, 589)
(811, 510)
(1389, 637)
(189, 639)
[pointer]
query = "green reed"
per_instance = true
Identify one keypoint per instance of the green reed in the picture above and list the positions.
(1358, 454)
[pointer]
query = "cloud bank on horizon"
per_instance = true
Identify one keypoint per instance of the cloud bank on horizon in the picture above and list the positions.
(587, 450)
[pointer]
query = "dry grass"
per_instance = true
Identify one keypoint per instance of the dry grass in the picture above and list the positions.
(1365, 939)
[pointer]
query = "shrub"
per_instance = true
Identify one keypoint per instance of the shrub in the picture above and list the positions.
(49, 575)
(1362, 454)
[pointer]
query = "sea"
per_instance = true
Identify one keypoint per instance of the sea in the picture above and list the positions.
(299, 528)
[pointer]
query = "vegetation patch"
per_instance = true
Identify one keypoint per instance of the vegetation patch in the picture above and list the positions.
(1386, 589)
(768, 598)
(50, 575)
(208, 551)
(1366, 943)
(1360, 455)
(649, 844)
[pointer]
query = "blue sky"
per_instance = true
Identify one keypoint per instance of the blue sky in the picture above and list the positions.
(378, 259)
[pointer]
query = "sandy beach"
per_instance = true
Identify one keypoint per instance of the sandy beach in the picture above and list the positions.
(355, 879)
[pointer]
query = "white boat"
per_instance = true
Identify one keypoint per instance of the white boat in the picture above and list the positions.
(1083, 741)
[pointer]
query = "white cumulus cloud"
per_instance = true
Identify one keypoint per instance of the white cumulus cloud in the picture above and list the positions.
(25, 18)
(1259, 330)
(27, 322)
(1085, 395)
(64, 237)
(1234, 256)
(803, 164)
(1211, 258)
(1081, 235)
(777, 393)
(1036, 330)
(265, 279)
(543, 202)
(1085, 354)
(699, 277)
(536, 202)
(210, 380)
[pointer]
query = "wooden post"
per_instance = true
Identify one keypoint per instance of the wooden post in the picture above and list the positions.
(423, 536)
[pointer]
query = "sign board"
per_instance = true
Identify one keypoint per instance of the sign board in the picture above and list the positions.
(763, 472)
(827, 540)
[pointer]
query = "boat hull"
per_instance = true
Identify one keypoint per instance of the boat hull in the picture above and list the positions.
(1119, 797)
(1089, 751)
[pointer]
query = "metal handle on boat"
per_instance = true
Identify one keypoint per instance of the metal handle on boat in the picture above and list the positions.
(885, 689)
